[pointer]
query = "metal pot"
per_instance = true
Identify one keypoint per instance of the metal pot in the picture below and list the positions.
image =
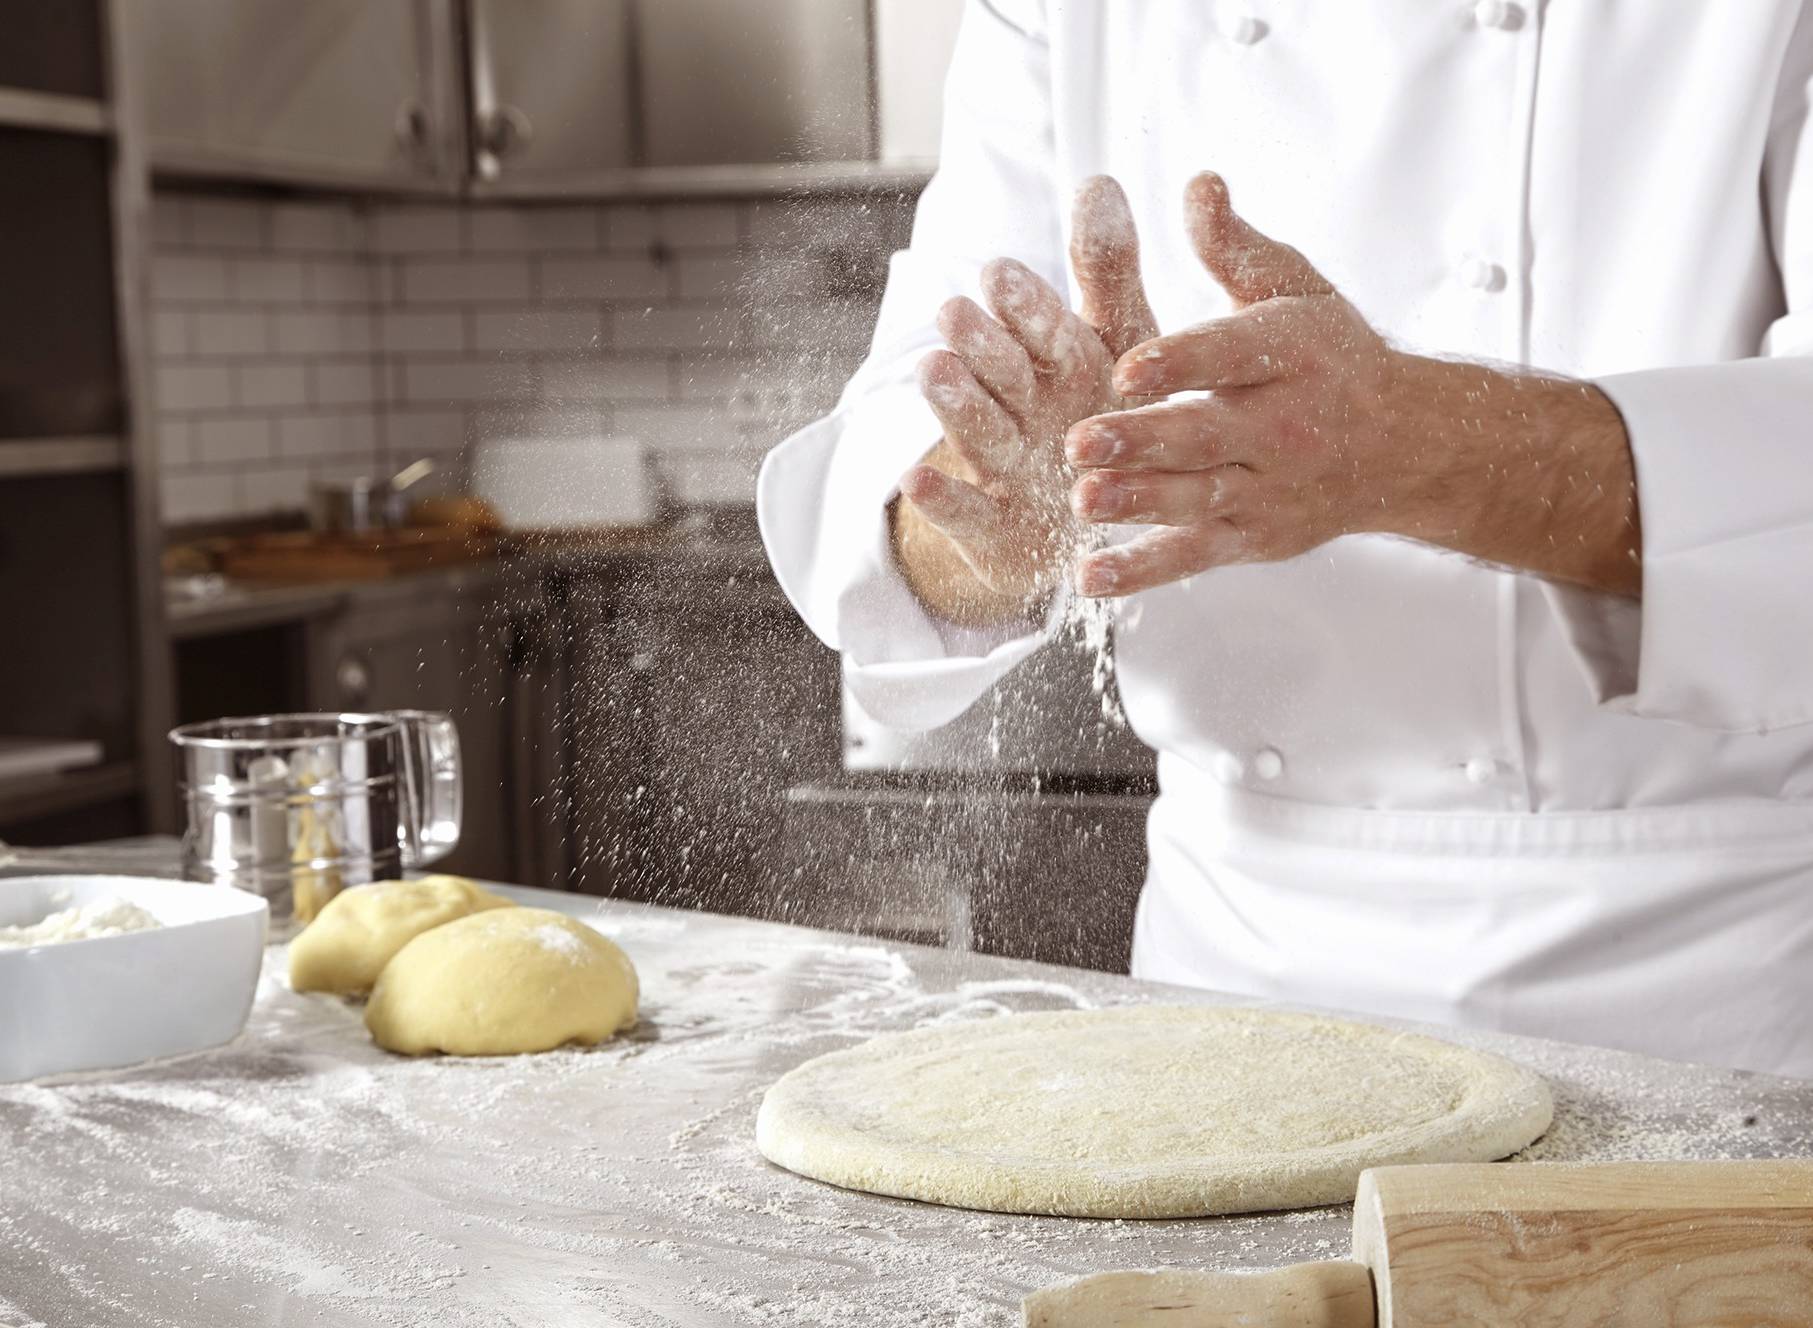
(366, 503)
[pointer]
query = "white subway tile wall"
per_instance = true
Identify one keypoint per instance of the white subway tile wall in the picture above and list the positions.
(302, 341)
(263, 333)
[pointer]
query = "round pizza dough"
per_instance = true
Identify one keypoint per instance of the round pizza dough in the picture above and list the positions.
(1143, 1111)
(503, 982)
(357, 931)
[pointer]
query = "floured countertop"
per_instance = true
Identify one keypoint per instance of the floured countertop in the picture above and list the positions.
(302, 1176)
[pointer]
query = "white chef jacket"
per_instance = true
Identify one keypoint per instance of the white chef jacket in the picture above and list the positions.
(1394, 780)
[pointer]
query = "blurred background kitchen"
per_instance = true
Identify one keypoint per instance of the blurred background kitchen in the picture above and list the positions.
(367, 354)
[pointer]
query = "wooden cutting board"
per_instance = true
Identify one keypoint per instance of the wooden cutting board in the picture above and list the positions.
(299, 557)
(1496, 1245)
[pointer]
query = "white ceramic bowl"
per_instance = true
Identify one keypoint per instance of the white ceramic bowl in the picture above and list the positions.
(117, 1000)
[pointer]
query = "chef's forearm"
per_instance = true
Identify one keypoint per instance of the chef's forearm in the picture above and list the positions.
(1526, 470)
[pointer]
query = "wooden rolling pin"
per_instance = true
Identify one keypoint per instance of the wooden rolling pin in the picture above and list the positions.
(1522, 1245)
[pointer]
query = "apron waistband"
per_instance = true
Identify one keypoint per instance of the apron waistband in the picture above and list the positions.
(1725, 826)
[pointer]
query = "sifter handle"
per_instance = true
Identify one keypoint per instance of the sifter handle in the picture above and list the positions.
(1335, 1294)
(429, 828)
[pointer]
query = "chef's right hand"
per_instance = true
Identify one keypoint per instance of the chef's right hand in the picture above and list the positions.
(986, 531)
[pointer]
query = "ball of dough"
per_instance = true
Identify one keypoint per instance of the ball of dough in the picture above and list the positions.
(496, 984)
(357, 931)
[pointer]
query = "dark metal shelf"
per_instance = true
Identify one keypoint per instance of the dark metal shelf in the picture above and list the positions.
(22, 109)
(61, 456)
(33, 796)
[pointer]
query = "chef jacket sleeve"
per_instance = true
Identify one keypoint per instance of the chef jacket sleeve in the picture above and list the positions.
(822, 495)
(1723, 637)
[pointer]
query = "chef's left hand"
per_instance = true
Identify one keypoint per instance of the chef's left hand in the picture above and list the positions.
(1292, 449)
(1317, 428)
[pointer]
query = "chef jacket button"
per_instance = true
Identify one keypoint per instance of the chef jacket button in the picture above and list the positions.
(1268, 763)
(1246, 30)
(1228, 768)
(1481, 275)
(1481, 769)
(1496, 14)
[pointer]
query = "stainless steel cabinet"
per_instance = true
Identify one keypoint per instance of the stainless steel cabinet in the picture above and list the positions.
(358, 92)
(729, 82)
(696, 698)
(536, 731)
(436, 647)
(599, 98)
(551, 88)
(990, 864)
(577, 96)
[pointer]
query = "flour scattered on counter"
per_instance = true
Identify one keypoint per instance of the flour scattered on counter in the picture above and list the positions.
(619, 928)
(978, 1000)
(109, 916)
(301, 1167)
(880, 989)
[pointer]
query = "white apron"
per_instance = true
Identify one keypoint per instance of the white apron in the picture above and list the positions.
(1612, 928)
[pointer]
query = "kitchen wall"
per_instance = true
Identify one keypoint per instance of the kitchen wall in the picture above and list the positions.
(300, 340)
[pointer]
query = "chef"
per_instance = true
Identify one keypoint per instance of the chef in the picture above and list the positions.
(1436, 422)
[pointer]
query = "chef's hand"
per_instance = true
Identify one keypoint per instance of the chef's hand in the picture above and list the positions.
(985, 531)
(1317, 428)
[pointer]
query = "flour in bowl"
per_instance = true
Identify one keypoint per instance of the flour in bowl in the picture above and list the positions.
(109, 916)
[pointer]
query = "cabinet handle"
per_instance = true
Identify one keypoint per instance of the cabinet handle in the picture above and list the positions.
(353, 678)
(502, 131)
(413, 127)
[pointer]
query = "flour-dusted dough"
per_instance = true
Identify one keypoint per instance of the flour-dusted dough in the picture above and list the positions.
(499, 983)
(357, 931)
(1143, 1111)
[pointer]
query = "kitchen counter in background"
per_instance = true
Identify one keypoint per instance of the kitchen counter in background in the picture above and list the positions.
(300, 1175)
(216, 605)
(696, 543)
(644, 716)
